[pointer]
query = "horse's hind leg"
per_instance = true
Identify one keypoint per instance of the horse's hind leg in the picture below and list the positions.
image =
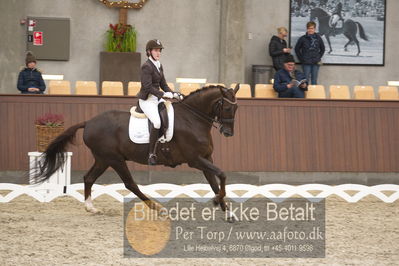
(349, 41)
(358, 46)
(123, 171)
(91, 176)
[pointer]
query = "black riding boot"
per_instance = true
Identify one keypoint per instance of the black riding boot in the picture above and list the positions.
(333, 32)
(152, 157)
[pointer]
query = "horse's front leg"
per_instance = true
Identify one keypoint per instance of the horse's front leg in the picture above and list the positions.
(210, 170)
(210, 177)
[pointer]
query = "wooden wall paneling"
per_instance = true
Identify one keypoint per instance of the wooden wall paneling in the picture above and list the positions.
(4, 136)
(334, 135)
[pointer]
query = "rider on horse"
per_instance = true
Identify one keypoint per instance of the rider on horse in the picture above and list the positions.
(335, 17)
(150, 95)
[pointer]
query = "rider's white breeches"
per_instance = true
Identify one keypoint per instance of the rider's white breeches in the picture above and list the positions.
(150, 109)
(334, 19)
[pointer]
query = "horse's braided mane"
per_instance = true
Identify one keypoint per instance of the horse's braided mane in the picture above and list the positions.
(324, 12)
(203, 89)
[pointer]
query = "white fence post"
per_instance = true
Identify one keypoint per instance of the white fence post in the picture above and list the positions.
(61, 178)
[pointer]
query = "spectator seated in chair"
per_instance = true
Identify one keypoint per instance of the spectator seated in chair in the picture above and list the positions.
(30, 80)
(286, 79)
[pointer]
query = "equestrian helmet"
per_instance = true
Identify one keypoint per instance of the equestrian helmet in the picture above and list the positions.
(153, 44)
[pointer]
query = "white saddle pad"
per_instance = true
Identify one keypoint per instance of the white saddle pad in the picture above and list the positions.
(138, 126)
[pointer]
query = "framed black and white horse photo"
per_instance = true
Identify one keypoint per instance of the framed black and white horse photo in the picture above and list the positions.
(353, 31)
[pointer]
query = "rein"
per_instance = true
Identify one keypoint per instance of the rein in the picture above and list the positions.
(207, 118)
(200, 114)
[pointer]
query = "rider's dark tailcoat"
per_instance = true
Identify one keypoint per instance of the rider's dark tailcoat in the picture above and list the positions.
(151, 81)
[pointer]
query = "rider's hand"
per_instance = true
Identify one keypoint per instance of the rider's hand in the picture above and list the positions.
(168, 95)
(177, 96)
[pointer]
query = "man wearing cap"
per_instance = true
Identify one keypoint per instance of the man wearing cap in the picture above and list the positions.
(30, 80)
(289, 82)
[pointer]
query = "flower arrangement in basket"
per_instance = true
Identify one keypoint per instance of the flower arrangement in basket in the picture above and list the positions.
(48, 127)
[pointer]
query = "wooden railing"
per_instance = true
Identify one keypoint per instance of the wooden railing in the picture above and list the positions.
(270, 134)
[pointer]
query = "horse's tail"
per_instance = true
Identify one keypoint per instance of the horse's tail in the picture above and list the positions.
(362, 32)
(54, 156)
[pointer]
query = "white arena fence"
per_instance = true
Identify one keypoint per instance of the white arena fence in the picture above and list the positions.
(202, 192)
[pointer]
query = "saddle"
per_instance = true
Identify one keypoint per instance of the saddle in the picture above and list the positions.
(163, 114)
(338, 25)
(140, 126)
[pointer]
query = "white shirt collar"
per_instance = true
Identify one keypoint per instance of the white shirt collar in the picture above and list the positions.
(156, 63)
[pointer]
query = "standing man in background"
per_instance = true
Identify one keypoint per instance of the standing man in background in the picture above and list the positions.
(310, 49)
(278, 48)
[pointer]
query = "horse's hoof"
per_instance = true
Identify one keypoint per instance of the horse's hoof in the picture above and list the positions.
(216, 200)
(230, 217)
(93, 210)
(153, 205)
(163, 214)
(231, 220)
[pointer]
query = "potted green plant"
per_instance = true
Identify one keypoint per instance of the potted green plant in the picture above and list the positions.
(121, 38)
(48, 127)
(119, 61)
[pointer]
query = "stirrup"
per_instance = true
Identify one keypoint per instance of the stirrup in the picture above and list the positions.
(152, 159)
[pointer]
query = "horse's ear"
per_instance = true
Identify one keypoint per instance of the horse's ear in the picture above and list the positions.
(236, 88)
(223, 90)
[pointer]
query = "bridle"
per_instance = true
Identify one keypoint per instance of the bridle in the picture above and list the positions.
(218, 108)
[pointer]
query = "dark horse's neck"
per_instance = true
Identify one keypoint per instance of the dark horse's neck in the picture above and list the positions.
(321, 15)
(201, 102)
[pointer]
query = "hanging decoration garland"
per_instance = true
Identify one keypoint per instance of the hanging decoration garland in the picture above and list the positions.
(124, 4)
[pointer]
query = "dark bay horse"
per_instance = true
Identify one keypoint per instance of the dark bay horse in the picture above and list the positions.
(349, 28)
(107, 137)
